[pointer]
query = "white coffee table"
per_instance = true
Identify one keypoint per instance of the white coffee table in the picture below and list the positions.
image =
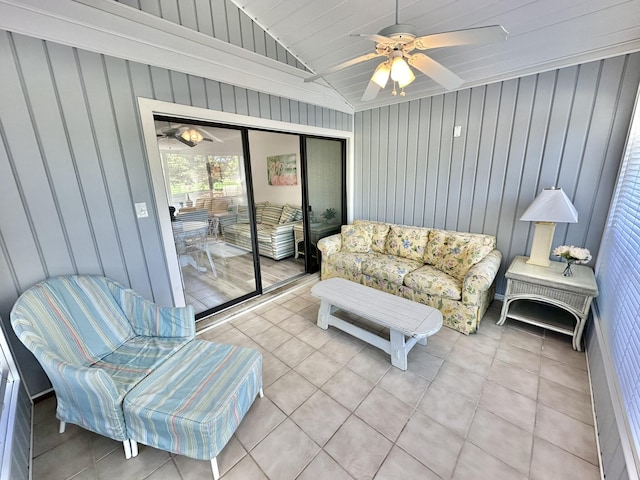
(408, 322)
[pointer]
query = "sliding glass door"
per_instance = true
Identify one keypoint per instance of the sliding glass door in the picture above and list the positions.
(247, 206)
(325, 172)
(208, 185)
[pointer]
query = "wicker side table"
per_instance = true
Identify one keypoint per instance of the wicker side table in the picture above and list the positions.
(542, 296)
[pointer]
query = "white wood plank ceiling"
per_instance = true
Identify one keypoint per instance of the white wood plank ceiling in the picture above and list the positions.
(543, 35)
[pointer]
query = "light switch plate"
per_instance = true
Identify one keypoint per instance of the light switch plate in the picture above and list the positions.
(141, 210)
(457, 130)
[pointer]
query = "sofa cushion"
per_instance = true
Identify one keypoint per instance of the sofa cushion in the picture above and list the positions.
(407, 242)
(380, 232)
(352, 262)
(271, 214)
(389, 267)
(430, 280)
(259, 209)
(356, 238)
(297, 214)
(288, 214)
(455, 253)
(264, 233)
(136, 358)
(243, 214)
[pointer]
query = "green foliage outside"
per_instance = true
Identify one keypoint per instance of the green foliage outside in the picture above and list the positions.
(190, 173)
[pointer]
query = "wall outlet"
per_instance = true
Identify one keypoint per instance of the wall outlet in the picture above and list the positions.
(457, 130)
(141, 210)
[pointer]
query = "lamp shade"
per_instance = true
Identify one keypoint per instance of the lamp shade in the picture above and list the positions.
(381, 75)
(401, 72)
(551, 205)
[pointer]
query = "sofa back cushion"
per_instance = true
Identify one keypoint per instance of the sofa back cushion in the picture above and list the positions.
(356, 238)
(380, 232)
(259, 210)
(271, 214)
(455, 253)
(290, 214)
(217, 204)
(407, 242)
(243, 214)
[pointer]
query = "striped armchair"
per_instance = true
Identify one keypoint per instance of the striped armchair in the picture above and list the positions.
(113, 359)
(96, 340)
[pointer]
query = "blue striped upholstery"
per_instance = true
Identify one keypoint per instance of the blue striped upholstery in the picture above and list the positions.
(126, 368)
(84, 332)
(196, 412)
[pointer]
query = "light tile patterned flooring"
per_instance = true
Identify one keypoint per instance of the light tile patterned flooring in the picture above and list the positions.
(507, 403)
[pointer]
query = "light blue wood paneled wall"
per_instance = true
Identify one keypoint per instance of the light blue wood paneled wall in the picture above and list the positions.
(221, 19)
(612, 440)
(565, 127)
(73, 163)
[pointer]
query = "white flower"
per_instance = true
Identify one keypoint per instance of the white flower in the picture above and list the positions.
(561, 251)
(582, 255)
(573, 254)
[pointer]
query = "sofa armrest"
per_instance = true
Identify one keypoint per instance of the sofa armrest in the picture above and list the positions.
(480, 277)
(284, 227)
(330, 245)
(151, 320)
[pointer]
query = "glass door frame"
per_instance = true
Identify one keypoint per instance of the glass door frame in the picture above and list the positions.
(310, 266)
(248, 181)
(148, 108)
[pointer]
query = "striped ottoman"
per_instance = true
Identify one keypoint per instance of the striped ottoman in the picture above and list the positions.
(193, 403)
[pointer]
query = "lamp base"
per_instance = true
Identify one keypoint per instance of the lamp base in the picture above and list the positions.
(541, 246)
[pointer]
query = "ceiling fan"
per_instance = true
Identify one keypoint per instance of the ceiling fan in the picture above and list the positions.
(396, 42)
(187, 134)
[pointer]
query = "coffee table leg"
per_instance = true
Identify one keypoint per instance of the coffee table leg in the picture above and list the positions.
(398, 350)
(323, 314)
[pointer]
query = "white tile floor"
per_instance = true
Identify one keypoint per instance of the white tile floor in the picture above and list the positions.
(507, 403)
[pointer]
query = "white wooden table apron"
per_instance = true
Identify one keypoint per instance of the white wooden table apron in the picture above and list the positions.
(408, 322)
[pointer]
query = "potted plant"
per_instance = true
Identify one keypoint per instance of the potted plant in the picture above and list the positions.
(329, 215)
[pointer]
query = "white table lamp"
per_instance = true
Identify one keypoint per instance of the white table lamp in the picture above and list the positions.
(551, 206)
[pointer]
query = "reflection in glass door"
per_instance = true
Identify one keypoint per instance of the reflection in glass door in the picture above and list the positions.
(207, 185)
(325, 167)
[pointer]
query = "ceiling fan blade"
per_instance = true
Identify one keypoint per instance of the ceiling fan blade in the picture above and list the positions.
(436, 71)
(470, 36)
(186, 142)
(212, 139)
(348, 63)
(374, 37)
(371, 91)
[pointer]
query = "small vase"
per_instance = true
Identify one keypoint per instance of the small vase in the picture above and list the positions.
(567, 271)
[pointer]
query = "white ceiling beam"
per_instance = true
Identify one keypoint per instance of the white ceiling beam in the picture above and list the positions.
(111, 28)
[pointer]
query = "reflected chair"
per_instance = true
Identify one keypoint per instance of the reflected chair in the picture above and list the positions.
(190, 232)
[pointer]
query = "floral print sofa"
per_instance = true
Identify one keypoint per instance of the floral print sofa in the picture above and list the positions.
(452, 271)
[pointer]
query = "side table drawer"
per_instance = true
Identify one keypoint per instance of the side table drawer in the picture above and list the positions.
(574, 300)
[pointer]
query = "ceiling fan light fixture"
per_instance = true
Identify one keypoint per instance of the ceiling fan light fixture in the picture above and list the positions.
(381, 75)
(192, 135)
(401, 72)
(410, 78)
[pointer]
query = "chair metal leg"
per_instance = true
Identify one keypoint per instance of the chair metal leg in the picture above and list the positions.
(213, 267)
(214, 469)
(127, 449)
(62, 427)
(261, 393)
(134, 448)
